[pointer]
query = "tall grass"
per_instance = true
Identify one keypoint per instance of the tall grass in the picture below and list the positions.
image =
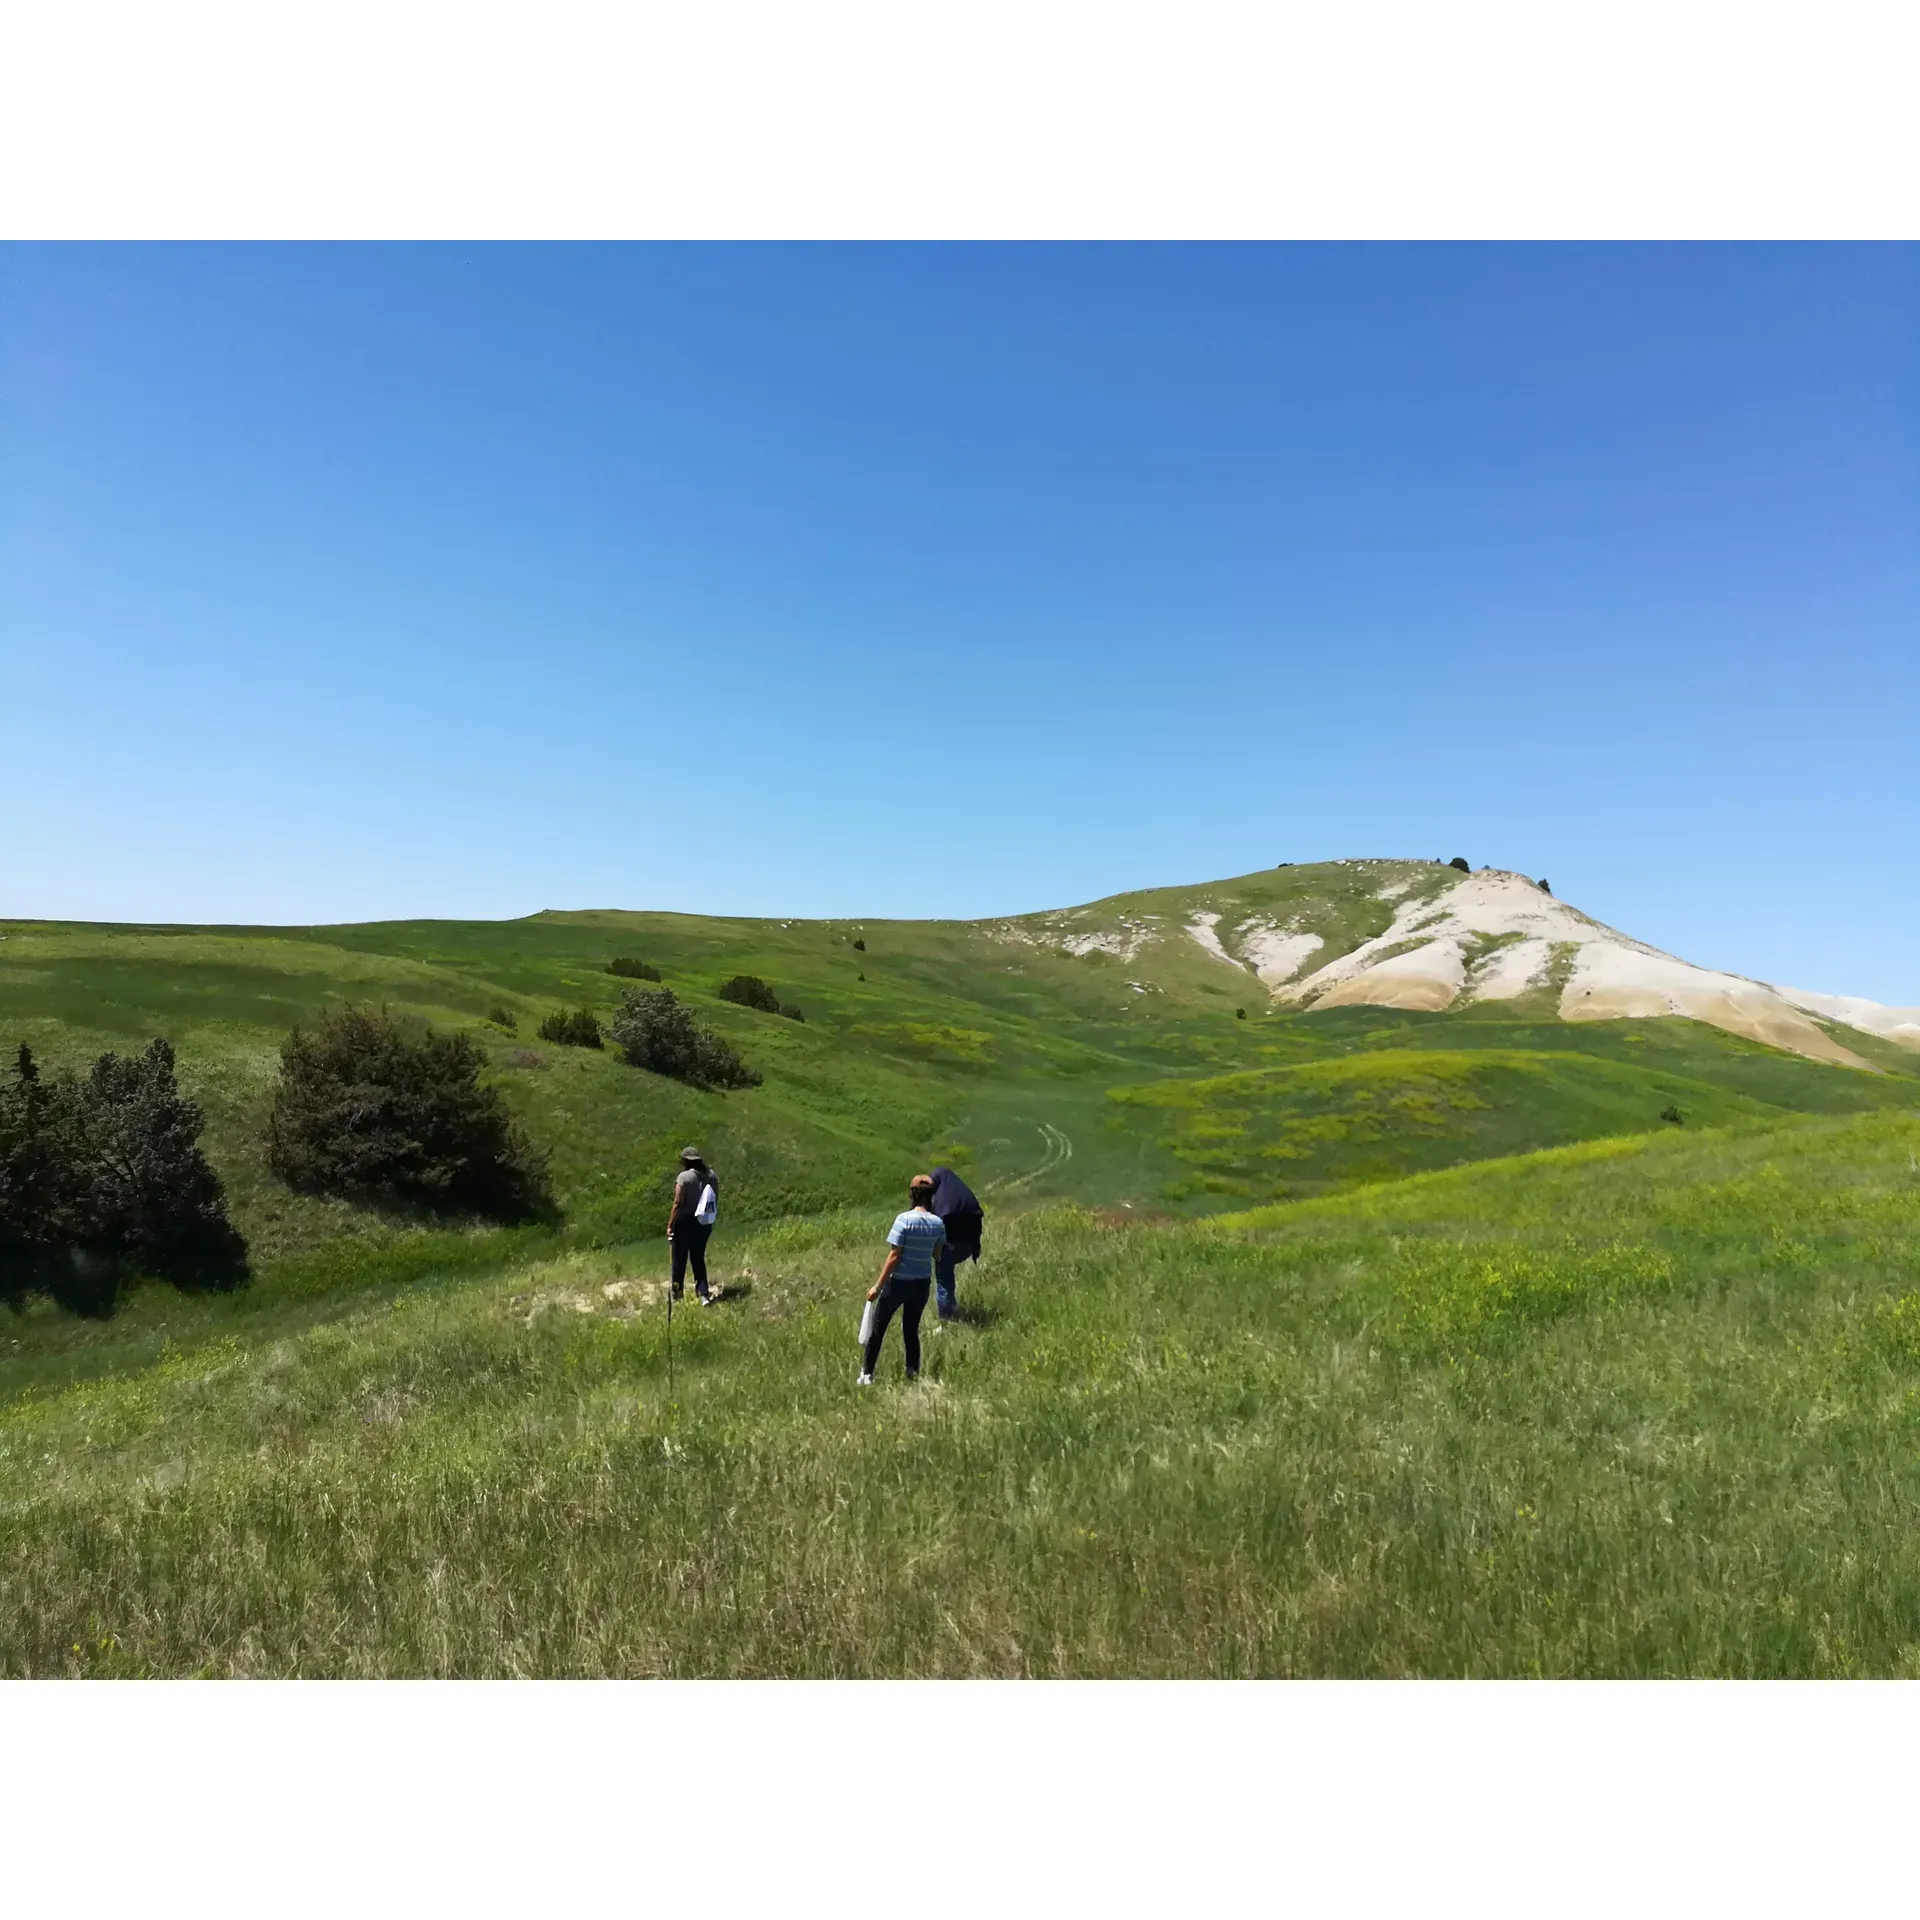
(1647, 1408)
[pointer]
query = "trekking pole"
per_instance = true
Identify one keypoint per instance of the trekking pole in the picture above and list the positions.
(669, 1342)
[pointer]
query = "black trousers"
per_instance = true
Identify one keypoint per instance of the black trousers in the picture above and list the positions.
(907, 1298)
(690, 1243)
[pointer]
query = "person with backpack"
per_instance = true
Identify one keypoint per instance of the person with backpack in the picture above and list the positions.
(964, 1220)
(906, 1277)
(696, 1205)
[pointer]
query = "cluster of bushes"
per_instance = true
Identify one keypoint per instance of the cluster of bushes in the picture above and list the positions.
(580, 1028)
(654, 1031)
(629, 969)
(749, 990)
(373, 1107)
(504, 1017)
(102, 1178)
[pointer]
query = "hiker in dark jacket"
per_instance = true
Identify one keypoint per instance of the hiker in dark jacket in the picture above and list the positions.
(686, 1231)
(964, 1218)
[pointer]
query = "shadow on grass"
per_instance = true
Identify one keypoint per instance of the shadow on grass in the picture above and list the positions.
(967, 1316)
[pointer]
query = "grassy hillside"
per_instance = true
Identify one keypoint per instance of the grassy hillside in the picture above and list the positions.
(1380, 1113)
(1639, 1406)
(1056, 1056)
(1294, 1352)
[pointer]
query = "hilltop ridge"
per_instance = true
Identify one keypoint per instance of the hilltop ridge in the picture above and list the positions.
(1419, 936)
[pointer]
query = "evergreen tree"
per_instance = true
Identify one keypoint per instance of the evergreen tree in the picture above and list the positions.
(151, 1200)
(749, 990)
(656, 1032)
(581, 1029)
(26, 1182)
(372, 1107)
(103, 1177)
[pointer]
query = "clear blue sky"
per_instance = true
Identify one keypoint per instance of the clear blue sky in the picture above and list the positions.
(343, 583)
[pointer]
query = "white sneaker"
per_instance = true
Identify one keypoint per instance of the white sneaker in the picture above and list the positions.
(866, 1379)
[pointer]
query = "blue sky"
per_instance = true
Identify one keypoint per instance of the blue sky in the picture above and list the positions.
(346, 583)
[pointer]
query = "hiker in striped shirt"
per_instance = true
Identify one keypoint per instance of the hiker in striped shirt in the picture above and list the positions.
(906, 1277)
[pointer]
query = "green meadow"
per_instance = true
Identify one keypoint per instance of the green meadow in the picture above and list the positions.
(1361, 1342)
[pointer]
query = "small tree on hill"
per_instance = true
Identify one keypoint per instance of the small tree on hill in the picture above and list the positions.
(154, 1202)
(628, 969)
(375, 1108)
(656, 1032)
(104, 1177)
(27, 1177)
(1459, 864)
(577, 1029)
(749, 990)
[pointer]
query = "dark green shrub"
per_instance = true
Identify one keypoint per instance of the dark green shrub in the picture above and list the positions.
(1672, 1116)
(859, 946)
(578, 1029)
(504, 1017)
(372, 1107)
(1544, 888)
(1239, 1013)
(1457, 862)
(654, 1031)
(749, 990)
(633, 970)
(103, 1177)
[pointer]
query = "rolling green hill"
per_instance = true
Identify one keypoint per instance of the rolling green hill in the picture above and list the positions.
(1072, 1055)
(1350, 1339)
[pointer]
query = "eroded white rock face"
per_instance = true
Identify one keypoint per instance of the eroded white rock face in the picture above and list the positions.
(1508, 972)
(1899, 1024)
(1434, 972)
(1619, 980)
(1612, 977)
(1276, 954)
(1424, 981)
(1201, 928)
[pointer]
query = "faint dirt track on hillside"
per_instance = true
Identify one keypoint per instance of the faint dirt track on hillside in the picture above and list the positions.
(1059, 1152)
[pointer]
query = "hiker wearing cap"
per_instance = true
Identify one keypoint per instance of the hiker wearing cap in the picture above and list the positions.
(906, 1277)
(690, 1222)
(964, 1219)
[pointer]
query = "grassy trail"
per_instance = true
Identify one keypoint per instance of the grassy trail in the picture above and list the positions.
(1644, 1406)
